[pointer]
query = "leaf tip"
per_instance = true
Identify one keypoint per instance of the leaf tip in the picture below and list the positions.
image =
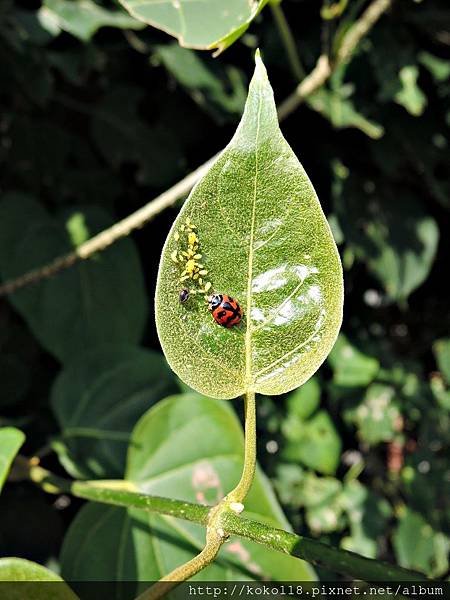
(260, 69)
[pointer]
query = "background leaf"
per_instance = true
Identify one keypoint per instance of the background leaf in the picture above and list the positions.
(105, 287)
(205, 24)
(351, 367)
(82, 18)
(266, 242)
(98, 398)
(11, 440)
(20, 571)
(395, 237)
(418, 546)
(218, 91)
(142, 546)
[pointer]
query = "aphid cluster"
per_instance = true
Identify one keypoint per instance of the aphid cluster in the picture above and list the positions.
(224, 309)
(193, 272)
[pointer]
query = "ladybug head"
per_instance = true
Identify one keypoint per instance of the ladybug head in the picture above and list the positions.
(214, 301)
(184, 295)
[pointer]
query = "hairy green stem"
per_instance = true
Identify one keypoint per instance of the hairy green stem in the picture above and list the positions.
(288, 40)
(120, 493)
(248, 473)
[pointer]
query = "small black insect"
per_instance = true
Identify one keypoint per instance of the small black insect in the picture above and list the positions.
(184, 296)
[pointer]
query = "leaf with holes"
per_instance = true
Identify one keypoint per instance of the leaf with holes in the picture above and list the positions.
(264, 240)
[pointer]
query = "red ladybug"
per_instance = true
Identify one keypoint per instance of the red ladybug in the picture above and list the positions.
(225, 310)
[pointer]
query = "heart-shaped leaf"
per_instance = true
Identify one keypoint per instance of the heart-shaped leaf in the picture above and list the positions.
(163, 460)
(200, 24)
(98, 398)
(10, 441)
(264, 240)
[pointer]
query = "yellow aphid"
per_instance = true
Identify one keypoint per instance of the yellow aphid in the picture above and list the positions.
(190, 266)
(188, 258)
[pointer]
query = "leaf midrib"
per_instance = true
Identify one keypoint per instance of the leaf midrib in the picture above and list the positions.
(248, 334)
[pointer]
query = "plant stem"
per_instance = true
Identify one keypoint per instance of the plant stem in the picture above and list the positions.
(215, 534)
(316, 553)
(288, 40)
(213, 543)
(120, 493)
(113, 492)
(248, 473)
(313, 81)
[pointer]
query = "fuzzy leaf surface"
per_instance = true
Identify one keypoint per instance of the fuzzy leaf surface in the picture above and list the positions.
(264, 240)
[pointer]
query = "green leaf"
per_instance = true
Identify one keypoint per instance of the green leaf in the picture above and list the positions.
(190, 448)
(98, 398)
(411, 96)
(341, 112)
(438, 67)
(216, 92)
(441, 349)
(322, 497)
(351, 367)
(202, 24)
(264, 241)
(378, 415)
(304, 401)
(124, 137)
(391, 231)
(99, 300)
(11, 440)
(315, 443)
(368, 514)
(82, 18)
(21, 570)
(417, 546)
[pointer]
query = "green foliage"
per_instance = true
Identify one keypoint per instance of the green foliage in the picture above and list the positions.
(82, 18)
(220, 92)
(86, 306)
(11, 440)
(205, 24)
(28, 573)
(162, 460)
(351, 367)
(96, 120)
(265, 241)
(377, 416)
(311, 437)
(395, 237)
(418, 546)
(97, 400)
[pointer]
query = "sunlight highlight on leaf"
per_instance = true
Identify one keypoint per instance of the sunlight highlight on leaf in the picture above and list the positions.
(265, 242)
